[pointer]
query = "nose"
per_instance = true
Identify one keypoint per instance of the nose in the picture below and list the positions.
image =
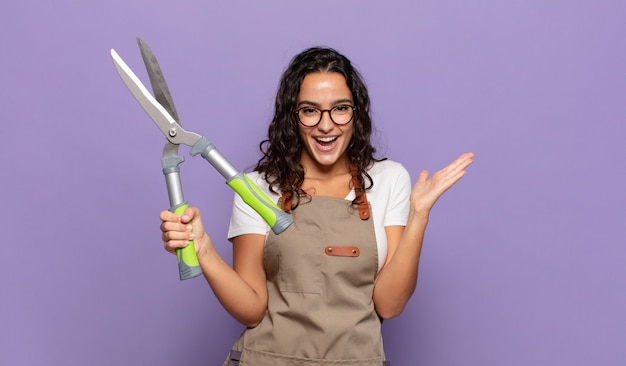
(326, 123)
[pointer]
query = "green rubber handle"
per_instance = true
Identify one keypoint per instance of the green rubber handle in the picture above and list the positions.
(277, 219)
(188, 265)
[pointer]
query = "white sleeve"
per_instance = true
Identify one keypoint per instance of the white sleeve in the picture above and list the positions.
(389, 200)
(399, 198)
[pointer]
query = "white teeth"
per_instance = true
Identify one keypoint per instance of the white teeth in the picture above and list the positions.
(326, 139)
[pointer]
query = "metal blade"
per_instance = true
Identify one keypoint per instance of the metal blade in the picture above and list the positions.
(157, 80)
(170, 128)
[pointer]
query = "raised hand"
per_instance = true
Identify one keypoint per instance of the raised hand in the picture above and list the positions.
(428, 190)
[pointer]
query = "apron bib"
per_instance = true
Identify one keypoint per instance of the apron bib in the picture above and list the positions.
(320, 279)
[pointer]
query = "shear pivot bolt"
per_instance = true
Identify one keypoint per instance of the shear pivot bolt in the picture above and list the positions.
(172, 132)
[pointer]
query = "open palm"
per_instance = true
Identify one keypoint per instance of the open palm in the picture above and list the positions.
(427, 190)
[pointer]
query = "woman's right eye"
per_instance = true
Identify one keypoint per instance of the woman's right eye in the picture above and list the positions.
(308, 111)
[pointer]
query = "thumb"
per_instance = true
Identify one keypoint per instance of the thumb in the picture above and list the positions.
(190, 214)
(422, 177)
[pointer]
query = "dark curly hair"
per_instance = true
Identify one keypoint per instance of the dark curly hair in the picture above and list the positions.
(280, 164)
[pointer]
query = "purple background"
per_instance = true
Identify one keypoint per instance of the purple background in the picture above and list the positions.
(524, 261)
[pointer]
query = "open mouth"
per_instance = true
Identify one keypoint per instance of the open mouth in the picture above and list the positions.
(326, 141)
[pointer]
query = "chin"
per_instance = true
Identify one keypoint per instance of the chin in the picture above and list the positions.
(326, 160)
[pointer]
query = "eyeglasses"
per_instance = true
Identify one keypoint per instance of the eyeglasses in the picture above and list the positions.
(340, 115)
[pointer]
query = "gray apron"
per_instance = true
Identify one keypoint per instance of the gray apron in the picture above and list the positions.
(320, 279)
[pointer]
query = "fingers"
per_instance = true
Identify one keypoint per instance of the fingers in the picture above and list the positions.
(445, 178)
(170, 243)
(460, 163)
(168, 216)
(456, 170)
(190, 214)
(463, 161)
(176, 236)
(177, 230)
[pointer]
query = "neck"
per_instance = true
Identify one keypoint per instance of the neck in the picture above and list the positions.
(313, 170)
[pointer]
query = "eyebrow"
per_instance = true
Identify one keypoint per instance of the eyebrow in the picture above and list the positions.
(334, 103)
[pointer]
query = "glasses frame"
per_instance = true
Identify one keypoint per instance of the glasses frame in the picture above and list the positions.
(297, 112)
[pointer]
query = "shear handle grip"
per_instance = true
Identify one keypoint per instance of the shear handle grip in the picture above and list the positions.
(277, 219)
(188, 265)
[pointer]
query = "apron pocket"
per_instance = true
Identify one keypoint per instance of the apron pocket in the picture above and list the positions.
(294, 262)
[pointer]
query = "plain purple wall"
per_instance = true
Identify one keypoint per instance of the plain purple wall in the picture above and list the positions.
(524, 261)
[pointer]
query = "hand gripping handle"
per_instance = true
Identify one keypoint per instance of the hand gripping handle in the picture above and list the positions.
(188, 265)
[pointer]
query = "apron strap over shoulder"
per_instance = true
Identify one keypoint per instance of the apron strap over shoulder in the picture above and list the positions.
(285, 202)
(361, 197)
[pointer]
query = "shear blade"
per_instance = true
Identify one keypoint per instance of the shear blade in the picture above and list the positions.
(161, 117)
(157, 80)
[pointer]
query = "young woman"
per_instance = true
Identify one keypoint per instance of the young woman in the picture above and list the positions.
(316, 293)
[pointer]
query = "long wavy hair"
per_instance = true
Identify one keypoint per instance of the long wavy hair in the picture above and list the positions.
(280, 164)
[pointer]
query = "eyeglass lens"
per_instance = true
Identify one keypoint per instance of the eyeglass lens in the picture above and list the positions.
(311, 116)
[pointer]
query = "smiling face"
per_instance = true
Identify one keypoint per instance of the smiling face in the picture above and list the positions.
(325, 145)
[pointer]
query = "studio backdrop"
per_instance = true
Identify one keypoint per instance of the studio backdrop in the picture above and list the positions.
(523, 261)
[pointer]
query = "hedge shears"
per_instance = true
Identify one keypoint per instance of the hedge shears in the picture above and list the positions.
(161, 110)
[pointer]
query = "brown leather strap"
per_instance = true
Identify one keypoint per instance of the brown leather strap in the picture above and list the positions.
(361, 201)
(285, 202)
(342, 251)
